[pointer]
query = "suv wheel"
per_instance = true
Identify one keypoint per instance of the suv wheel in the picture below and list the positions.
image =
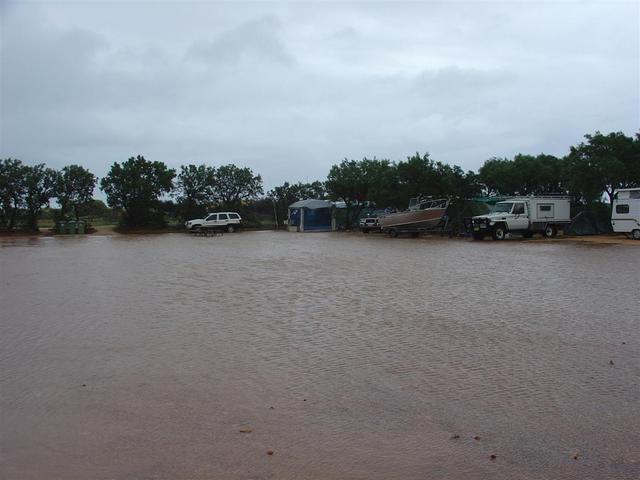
(231, 228)
(635, 234)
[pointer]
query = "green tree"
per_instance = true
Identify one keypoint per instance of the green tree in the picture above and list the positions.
(538, 175)
(136, 186)
(524, 175)
(348, 182)
(383, 183)
(74, 189)
(418, 176)
(234, 185)
(97, 209)
(457, 184)
(604, 163)
(314, 190)
(552, 174)
(12, 191)
(499, 176)
(633, 163)
(40, 184)
(283, 196)
(195, 190)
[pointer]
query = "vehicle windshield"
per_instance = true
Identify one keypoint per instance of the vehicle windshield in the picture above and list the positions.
(503, 207)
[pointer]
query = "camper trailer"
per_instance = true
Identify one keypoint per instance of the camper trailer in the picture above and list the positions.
(625, 214)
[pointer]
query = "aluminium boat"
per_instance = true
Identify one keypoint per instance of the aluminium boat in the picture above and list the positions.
(423, 214)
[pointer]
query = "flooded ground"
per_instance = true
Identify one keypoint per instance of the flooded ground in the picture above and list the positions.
(347, 356)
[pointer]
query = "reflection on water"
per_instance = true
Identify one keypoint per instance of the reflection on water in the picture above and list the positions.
(350, 356)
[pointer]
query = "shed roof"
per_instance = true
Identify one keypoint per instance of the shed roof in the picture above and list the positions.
(311, 204)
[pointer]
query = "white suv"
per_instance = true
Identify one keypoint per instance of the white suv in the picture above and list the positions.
(229, 221)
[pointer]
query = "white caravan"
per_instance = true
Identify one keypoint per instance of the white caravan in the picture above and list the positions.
(625, 214)
(524, 215)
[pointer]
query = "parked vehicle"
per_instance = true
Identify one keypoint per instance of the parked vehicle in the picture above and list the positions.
(625, 214)
(369, 224)
(543, 214)
(423, 214)
(228, 221)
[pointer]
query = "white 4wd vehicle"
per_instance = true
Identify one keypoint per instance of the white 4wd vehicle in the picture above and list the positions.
(525, 216)
(229, 221)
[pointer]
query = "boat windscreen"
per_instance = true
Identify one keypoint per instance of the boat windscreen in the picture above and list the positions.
(441, 203)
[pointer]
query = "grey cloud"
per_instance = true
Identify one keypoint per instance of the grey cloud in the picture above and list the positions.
(256, 40)
(289, 90)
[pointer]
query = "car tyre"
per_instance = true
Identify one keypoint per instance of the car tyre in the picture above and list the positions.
(635, 234)
(500, 232)
(231, 228)
(550, 231)
(393, 233)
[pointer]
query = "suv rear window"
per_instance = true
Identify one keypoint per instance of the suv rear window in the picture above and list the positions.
(234, 215)
(223, 216)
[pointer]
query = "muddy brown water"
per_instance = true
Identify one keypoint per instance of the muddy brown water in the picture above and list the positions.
(349, 356)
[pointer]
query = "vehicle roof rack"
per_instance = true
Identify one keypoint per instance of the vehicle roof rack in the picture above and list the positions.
(545, 195)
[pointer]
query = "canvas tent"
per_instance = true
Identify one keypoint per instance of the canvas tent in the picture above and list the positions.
(311, 216)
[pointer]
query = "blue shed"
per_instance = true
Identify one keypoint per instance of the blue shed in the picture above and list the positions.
(311, 216)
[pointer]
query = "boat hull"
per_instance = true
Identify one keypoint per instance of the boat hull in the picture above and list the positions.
(416, 219)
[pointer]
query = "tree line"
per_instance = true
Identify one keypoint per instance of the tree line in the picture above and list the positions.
(25, 190)
(146, 192)
(141, 190)
(137, 186)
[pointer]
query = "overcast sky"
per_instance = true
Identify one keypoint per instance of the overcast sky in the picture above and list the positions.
(289, 89)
